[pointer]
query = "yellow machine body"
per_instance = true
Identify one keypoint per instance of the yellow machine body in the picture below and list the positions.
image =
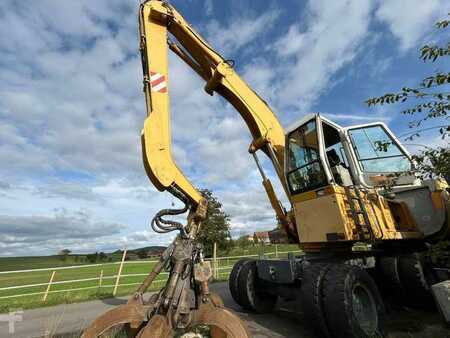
(337, 223)
(347, 204)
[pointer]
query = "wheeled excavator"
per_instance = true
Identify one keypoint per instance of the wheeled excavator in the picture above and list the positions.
(358, 211)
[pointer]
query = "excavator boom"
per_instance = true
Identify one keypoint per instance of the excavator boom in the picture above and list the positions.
(159, 22)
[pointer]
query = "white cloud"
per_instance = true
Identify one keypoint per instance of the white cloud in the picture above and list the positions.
(76, 107)
(51, 232)
(72, 109)
(69, 190)
(310, 58)
(409, 21)
(304, 62)
(209, 7)
(5, 185)
(240, 31)
(27, 214)
(248, 205)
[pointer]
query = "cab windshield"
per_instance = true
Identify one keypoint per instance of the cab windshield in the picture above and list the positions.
(304, 169)
(377, 152)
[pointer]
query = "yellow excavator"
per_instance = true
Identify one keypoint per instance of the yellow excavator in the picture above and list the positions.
(362, 217)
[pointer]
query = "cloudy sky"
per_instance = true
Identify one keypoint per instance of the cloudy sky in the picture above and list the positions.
(71, 106)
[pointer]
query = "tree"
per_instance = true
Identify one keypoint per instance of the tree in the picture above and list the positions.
(142, 254)
(131, 256)
(216, 226)
(92, 258)
(102, 256)
(63, 254)
(431, 103)
(243, 242)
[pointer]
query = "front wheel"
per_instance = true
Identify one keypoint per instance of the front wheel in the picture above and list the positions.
(249, 293)
(352, 303)
(312, 297)
(233, 281)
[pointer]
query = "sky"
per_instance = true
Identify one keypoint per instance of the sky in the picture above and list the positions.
(71, 106)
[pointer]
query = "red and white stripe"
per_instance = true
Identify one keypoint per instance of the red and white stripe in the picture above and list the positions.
(158, 82)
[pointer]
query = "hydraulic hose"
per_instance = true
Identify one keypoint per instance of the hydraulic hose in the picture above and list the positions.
(161, 225)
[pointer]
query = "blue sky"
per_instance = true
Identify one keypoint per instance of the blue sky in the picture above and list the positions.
(71, 106)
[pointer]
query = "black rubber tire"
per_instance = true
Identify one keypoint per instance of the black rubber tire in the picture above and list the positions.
(416, 280)
(388, 268)
(312, 297)
(233, 280)
(252, 299)
(339, 285)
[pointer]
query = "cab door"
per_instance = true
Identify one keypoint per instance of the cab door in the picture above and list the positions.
(306, 169)
(318, 205)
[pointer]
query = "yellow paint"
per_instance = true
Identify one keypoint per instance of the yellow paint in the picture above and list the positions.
(156, 20)
(306, 196)
(319, 216)
(436, 198)
(316, 215)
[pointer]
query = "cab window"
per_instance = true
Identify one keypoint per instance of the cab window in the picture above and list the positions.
(304, 168)
(373, 157)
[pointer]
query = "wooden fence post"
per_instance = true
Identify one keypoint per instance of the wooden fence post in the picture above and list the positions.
(119, 272)
(215, 260)
(100, 279)
(48, 286)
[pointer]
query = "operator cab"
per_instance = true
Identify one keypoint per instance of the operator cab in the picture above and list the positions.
(328, 166)
(320, 152)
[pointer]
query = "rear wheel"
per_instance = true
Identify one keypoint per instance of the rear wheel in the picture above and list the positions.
(353, 306)
(248, 290)
(417, 279)
(388, 268)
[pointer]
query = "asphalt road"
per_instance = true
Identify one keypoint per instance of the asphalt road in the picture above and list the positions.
(68, 320)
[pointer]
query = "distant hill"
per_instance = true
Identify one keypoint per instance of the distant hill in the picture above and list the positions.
(142, 253)
(155, 249)
(150, 249)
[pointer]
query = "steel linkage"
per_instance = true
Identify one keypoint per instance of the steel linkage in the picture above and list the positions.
(183, 303)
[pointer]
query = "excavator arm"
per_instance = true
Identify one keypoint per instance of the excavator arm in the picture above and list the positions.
(159, 23)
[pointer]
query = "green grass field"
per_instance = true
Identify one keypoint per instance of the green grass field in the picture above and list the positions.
(87, 272)
(42, 262)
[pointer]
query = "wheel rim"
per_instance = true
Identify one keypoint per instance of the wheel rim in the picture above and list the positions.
(365, 309)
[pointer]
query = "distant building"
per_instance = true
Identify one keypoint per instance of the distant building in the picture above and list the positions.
(277, 236)
(261, 237)
(249, 238)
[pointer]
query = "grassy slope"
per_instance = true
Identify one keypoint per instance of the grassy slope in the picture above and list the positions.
(41, 262)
